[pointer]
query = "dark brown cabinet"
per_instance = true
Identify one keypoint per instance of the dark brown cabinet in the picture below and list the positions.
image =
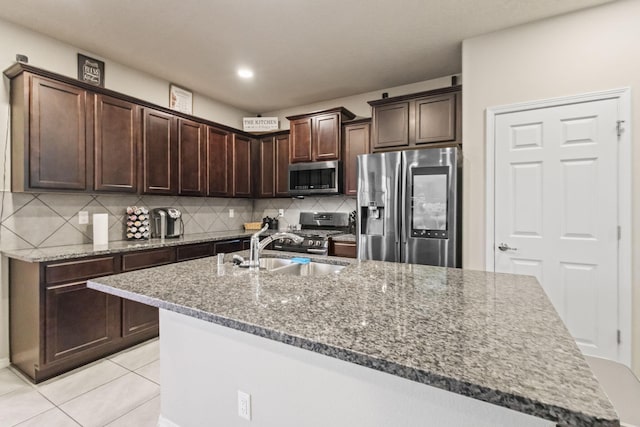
(391, 125)
(356, 142)
(218, 162)
(273, 167)
(56, 323)
(342, 249)
(266, 181)
(116, 144)
(317, 136)
(159, 153)
(192, 158)
(78, 319)
(241, 166)
(230, 246)
(197, 250)
(49, 135)
(417, 120)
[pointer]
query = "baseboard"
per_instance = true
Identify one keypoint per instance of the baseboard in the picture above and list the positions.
(164, 422)
(4, 362)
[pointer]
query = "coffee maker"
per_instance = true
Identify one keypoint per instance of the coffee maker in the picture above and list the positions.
(167, 223)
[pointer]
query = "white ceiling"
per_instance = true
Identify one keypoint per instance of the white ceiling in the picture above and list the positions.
(302, 51)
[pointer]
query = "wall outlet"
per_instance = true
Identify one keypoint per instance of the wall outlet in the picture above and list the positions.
(280, 212)
(244, 405)
(232, 213)
(83, 217)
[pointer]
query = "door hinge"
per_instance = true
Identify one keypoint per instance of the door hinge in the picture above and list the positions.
(620, 127)
(619, 233)
(619, 338)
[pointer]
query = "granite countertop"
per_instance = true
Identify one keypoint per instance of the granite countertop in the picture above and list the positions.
(492, 337)
(344, 238)
(58, 253)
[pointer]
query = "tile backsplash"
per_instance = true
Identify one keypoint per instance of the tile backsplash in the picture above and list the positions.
(293, 207)
(51, 219)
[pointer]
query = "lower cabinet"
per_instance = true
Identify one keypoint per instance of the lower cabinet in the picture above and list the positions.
(343, 249)
(78, 319)
(56, 323)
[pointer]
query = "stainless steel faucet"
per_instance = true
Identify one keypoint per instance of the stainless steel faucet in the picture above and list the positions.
(257, 246)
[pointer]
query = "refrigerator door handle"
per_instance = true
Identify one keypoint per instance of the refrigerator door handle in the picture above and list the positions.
(402, 219)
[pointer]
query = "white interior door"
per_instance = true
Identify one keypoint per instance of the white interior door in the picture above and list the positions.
(556, 189)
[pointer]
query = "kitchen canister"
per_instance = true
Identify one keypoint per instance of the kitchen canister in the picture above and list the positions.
(137, 223)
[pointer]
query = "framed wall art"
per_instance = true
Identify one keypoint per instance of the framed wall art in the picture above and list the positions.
(90, 70)
(180, 99)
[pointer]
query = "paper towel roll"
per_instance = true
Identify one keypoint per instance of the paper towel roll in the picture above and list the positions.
(100, 229)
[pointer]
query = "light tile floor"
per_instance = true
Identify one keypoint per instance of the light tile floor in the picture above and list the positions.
(122, 390)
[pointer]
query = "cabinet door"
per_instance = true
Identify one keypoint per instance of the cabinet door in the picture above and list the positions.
(159, 153)
(266, 180)
(301, 140)
(138, 318)
(78, 319)
(391, 125)
(198, 250)
(218, 159)
(145, 259)
(57, 137)
(281, 173)
(326, 137)
(356, 142)
(116, 144)
(242, 166)
(435, 119)
(227, 246)
(192, 154)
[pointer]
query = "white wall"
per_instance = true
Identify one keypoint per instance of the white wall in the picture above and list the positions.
(587, 51)
(357, 104)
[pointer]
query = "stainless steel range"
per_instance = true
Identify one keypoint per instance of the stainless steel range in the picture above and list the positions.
(316, 227)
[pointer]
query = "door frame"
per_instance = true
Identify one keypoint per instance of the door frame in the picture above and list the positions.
(624, 195)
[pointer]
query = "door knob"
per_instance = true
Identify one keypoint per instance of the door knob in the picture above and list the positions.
(504, 247)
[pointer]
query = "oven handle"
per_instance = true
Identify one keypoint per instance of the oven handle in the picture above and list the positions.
(317, 251)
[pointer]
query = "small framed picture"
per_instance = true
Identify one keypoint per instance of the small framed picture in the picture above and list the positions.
(180, 99)
(90, 70)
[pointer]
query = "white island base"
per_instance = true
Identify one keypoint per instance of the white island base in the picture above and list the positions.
(204, 365)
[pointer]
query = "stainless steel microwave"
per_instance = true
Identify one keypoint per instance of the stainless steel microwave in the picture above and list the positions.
(315, 178)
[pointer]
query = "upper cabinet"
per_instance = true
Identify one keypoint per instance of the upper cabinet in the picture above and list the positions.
(219, 162)
(192, 158)
(159, 153)
(50, 138)
(414, 121)
(116, 144)
(356, 142)
(229, 164)
(317, 136)
(273, 167)
(242, 166)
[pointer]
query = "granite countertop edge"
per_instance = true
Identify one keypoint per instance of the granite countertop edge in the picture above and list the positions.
(61, 253)
(551, 412)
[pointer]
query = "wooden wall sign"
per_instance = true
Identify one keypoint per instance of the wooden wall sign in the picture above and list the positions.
(90, 70)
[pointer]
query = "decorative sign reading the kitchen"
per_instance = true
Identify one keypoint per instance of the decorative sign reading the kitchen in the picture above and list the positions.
(180, 99)
(90, 70)
(259, 124)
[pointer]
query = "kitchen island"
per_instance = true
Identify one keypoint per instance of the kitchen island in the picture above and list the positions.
(377, 344)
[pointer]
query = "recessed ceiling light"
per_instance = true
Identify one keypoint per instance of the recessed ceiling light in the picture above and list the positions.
(245, 73)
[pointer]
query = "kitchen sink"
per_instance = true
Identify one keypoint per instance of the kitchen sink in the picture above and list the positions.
(274, 263)
(287, 266)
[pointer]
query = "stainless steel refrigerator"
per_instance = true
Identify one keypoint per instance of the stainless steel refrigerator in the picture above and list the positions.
(409, 206)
